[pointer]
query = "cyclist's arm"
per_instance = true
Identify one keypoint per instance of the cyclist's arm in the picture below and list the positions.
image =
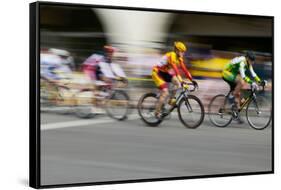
(118, 71)
(254, 75)
(243, 74)
(176, 71)
(186, 72)
(105, 70)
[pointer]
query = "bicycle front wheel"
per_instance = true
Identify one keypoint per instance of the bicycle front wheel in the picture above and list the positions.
(219, 111)
(117, 105)
(191, 112)
(259, 112)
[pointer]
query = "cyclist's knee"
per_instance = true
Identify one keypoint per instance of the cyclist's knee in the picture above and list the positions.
(176, 82)
(177, 86)
(239, 81)
(164, 93)
(236, 93)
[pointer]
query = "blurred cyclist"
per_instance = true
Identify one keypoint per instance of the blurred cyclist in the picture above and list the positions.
(166, 71)
(66, 58)
(235, 75)
(52, 68)
(53, 73)
(100, 68)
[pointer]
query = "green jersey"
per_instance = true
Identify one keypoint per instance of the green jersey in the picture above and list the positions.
(239, 65)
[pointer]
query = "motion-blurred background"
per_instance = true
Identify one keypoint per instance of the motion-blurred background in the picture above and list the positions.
(142, 38)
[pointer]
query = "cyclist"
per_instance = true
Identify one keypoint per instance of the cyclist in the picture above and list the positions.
(234, 74)
(166, 71)
(53, 72)
(100, 68)
(52, 67)
(66, 58)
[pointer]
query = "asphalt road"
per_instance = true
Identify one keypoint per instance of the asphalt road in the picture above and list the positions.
(100, 149)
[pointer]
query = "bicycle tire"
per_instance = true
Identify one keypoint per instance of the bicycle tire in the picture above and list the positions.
(140, 105)
(210, 114)
(108, 107)
(80, 109)
(201, 108)
(251, 123)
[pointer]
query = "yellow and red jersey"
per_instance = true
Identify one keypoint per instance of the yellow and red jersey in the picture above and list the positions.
(169, 64)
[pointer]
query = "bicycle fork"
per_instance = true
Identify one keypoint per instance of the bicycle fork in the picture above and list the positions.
(187, 104)
(256, 105)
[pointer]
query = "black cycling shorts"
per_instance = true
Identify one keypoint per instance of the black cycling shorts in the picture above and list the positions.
(231, 84)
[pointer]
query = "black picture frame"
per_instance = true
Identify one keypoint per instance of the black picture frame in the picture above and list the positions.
(34, 98)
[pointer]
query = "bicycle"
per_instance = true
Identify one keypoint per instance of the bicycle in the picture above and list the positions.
(190, 108)
(55, 95)
(222, 111)
(115, 101)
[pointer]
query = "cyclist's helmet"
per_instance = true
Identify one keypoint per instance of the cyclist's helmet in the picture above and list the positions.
(180, 46)
(251, 55)
(109, 49)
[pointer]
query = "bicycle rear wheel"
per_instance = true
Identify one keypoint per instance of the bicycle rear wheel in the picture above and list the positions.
(84, 104)
(191, 112)
(259, 113)
(219, 111)
(117, 105)
(146, 109)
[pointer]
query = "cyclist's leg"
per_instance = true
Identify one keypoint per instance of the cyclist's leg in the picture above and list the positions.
(164, 92)
(235, 87)
(229, 78)
(237, 90)
(176, 86)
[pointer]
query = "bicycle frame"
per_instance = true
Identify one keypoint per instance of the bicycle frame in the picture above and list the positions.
(246, 102)
(183, 94)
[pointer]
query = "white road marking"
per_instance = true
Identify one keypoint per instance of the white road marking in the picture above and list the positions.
(82, 122)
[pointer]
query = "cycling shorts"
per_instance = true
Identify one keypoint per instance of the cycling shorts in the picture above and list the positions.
(229, 78)
(160, 78)
(232, 84)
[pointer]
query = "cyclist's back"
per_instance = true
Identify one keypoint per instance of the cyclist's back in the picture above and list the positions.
(238, 65)
(169, 58)
(97, 66)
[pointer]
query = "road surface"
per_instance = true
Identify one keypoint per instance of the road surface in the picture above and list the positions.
(101, 149)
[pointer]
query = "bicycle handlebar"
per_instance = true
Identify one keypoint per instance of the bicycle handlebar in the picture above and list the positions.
(257, 89)
(189, 89)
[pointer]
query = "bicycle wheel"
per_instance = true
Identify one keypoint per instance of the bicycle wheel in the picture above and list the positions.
(146, 109)
(117, 105)
(219, 111)
(191, 111)
(259, 112)
(49, 95)
(64, 100)
(84, 104)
